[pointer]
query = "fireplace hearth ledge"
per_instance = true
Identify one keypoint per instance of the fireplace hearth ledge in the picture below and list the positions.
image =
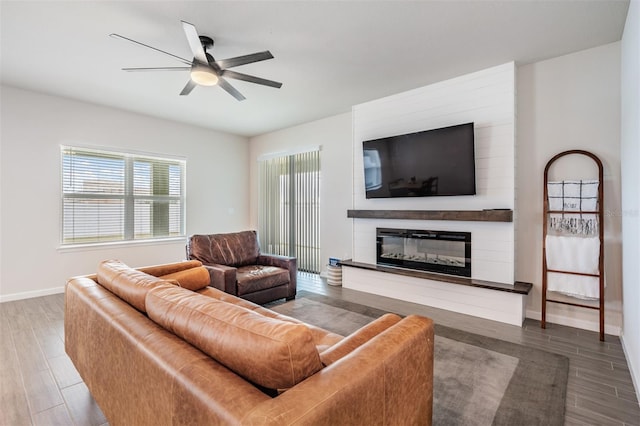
(494, 301)
(518, 287)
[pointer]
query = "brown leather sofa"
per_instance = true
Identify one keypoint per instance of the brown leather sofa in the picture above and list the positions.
(237, 267)
(158, 346)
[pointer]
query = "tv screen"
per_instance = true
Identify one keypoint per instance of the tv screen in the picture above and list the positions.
(430, 163)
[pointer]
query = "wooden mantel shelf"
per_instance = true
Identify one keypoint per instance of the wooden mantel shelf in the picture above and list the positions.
(490, 215)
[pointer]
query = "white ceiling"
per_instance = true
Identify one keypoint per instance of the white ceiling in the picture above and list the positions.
(328, 55)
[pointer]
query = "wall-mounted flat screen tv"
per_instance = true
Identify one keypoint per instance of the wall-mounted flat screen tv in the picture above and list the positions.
(438, 162)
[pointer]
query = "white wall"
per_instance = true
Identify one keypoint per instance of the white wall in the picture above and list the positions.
(333, 134)
(630, 154)
(569, 102)
(487, 98)
(34, 126)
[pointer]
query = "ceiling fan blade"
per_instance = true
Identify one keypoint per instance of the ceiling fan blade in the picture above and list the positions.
(246, 59)
(230, 89)
(188, 88)
(150, 47)
(158, 69)
(194, 42)
(251, 79)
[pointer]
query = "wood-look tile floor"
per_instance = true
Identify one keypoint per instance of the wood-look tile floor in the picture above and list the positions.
(40, 386)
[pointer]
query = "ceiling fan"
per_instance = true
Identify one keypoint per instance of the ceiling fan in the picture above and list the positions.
(204, 69)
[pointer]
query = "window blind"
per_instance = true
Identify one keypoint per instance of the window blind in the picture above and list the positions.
(289, 208)
(114, 196)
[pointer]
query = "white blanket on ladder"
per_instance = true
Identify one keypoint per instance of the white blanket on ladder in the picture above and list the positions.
(573, 254)
(573, 196)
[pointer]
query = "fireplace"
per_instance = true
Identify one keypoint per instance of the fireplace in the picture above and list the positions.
(443, 252)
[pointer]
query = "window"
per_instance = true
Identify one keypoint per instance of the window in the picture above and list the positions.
(289, 215)
(113, 196)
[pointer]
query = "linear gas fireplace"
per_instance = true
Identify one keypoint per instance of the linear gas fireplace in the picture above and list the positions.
(443, 252)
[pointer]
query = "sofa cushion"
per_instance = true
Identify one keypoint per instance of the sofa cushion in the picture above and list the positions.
(322, 338)
(193, 278)
(254, 278)
(127, 283)
(266, 351)
(232, 249)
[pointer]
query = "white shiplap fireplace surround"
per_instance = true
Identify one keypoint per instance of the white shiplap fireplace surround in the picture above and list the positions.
(486, 98)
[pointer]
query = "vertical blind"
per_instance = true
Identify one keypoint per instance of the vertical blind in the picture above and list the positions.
(289, 208)
(111, 196)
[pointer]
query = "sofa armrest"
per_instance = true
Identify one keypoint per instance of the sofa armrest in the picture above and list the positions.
(285, 262)
(358, 338)
(223, 278)
(388, 380)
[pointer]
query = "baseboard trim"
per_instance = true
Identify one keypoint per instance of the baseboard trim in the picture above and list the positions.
(571, 322)
(634, 369)
(30, 294)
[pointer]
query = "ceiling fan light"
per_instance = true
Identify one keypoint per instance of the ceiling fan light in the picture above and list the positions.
(204, 76)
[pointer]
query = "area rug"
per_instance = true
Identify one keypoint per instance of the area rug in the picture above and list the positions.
(478, 380)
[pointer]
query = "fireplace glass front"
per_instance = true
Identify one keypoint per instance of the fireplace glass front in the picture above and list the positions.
(442, 252)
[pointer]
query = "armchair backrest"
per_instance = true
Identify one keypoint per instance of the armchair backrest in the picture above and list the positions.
(232, 249)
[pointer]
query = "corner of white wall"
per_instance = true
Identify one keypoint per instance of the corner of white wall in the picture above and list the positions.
(630, 153)
(333, 134)
(30, 211)
(552, 117)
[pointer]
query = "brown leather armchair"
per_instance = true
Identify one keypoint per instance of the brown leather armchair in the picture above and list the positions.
(237, 267)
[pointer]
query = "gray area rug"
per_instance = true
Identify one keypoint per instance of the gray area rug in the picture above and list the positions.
(478, 380)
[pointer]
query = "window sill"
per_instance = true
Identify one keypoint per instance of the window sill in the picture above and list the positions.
(71, 248)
